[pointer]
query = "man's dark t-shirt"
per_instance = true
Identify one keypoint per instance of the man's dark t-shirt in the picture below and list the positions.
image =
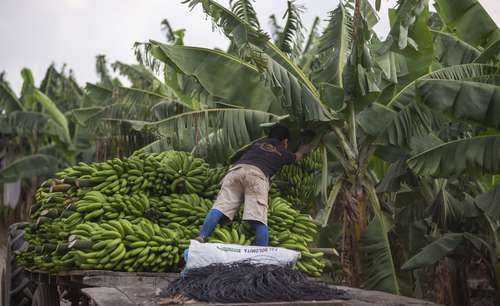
(269, 155)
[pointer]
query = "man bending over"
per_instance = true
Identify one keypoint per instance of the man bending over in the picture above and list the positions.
(248, 181)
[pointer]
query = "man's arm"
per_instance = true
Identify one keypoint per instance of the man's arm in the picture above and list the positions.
(303, 150)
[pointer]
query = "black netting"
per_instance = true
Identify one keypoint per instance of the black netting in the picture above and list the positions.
(249, 282)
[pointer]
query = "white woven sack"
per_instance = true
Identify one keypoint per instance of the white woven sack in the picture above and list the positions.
(204, 254)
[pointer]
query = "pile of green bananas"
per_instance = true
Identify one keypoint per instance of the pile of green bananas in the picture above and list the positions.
(298, 180)
(138, 214)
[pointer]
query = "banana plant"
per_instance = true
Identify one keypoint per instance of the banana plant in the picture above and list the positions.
(444, 144)
(36, 134)
(462, 227)
(366, 97)
(35, 126)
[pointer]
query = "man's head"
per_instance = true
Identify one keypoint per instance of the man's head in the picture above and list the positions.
(280, 132)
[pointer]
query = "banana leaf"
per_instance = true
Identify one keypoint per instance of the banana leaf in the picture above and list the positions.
(292, 37)
(435, 251)
(333, 47)
(476, 155)
(55, 114)
(309, 49)
(419, 51)
(245, 11)
(22, 123)
(402, 20)
(246, 86)
(212, 133)
(242, 34)
(138, 75)
(469, 21)
(28, 90)
(296, 99)
(221, 74)
(490, 53)
(377, 266)
(8, 100)
(449, 50)
(82, 115)
(463, 100)
(29, 166)
(447, 244)
(403, 117)
(97, 95)
(489, 202)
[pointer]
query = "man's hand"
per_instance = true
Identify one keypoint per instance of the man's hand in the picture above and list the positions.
(303, 150)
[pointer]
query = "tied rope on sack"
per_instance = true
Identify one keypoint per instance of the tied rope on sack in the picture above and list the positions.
(248, 282)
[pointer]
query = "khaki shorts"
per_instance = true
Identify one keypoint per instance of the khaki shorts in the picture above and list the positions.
(248, 184)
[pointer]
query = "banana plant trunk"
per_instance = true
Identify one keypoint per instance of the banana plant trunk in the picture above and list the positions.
(354, 199)
(450, 285)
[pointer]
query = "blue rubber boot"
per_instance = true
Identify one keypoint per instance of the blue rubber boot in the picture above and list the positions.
(211, 220)
(261, 234)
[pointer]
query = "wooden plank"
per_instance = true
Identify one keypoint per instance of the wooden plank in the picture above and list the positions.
(140, 290)
(126, 281)
(106, 296)
(114, 273)
(383, 298)
(296, 303)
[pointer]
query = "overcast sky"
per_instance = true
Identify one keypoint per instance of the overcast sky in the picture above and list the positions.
(35, 33)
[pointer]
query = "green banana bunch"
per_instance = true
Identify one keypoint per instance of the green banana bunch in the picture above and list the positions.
(312, 160)
(78, 170)
(212, 183)
(125, 246)
(117, 176)
(297, 180)
(128, 206)
(188, 173)
(186, 232)
(95, 205)
(292, 230)
(233, 235)
(46, 246)
(274, 191)
(186, 209)
(45, 200)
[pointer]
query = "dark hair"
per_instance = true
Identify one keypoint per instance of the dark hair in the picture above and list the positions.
(280, 132)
